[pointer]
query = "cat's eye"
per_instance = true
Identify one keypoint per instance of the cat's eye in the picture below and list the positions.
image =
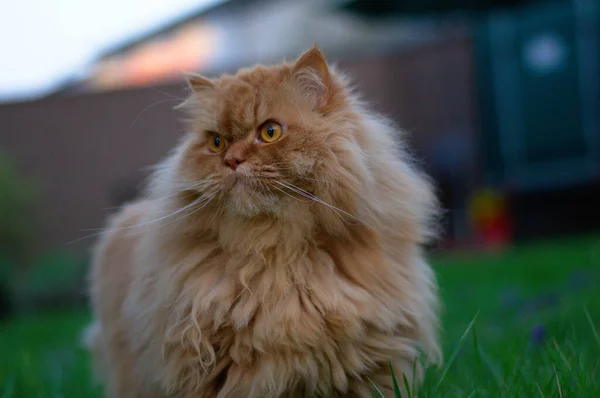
(270, 132)
(216, 143)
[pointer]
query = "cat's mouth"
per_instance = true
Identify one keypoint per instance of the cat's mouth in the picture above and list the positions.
(235, 179)
(238, 181)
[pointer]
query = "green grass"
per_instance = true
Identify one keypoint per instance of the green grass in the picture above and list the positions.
(496, 309)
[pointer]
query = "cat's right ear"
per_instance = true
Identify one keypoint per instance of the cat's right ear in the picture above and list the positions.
(311, 75)
(199, 83)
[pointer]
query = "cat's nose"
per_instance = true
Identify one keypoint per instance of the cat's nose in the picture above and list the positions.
(234, 161)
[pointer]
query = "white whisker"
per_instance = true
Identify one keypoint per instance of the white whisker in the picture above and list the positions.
(199, 208)
(148, 107)
(313, 179)
(196, 202)
(310, 196)
(291, 196)
(167, 94)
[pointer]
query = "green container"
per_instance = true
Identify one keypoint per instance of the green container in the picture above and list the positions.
(538, 81)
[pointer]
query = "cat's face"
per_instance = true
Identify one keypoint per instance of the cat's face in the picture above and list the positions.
(263, 135)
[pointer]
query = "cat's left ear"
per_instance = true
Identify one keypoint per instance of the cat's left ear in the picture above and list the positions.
(311, 74)
(198, 83)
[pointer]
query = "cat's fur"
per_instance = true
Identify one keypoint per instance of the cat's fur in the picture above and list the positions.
(299, 274)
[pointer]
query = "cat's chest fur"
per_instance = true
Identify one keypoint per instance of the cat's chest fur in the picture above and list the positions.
(245, 307)
(274, 300)
(262, 310)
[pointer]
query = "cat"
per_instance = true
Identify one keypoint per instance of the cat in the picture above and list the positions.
(276, 252)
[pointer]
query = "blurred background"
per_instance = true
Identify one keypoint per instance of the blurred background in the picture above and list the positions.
(501, 99)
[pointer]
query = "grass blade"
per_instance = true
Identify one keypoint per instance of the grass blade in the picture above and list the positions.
(477, 356)
(557, 382)
(540, 389)
(561, 354)
(414, 374)
(455, 352)
(375, 391)
(397, 393)
(591, 322)
(406, 386)
(493, 369)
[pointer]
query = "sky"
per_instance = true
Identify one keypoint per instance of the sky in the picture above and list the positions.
(46, 42)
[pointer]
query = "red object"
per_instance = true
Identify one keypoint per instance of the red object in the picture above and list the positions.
(496, 232)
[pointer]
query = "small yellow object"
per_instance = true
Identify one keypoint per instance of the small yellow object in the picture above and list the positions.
(486, 205)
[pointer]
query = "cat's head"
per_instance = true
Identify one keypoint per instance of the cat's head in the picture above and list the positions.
(268, 139)
(265, 134)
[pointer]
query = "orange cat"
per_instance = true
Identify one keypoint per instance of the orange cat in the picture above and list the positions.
(276, 252)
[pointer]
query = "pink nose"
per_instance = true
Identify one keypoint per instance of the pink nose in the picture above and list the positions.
(233, 162)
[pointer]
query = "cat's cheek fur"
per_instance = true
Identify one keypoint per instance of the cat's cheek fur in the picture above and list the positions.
(258, 292)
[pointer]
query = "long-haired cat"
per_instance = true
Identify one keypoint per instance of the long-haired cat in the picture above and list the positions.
(277, 251)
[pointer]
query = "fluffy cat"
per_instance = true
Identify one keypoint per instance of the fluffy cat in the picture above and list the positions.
(277, 251)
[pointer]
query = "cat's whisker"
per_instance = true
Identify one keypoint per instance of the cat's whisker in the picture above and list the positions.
(166, 198)
(148, 107)
(310, 196)
(205, 183)
(279, 167)
(202, 200)
(167, 94)
(313, 179)
(191, 184)
(100, 231)
(149, 222)
(291, 196)
(185, 193)
(337, 210)
(308, 178)
(113, 208)
(217, 212)
(277, 164)
(208, 200)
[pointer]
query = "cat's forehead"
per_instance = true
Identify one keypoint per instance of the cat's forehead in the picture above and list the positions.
(245, 97)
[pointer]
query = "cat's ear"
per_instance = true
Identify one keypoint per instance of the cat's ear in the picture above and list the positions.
(199, 83)
(311, 74)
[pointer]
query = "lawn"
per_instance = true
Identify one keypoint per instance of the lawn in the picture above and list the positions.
(523, 323)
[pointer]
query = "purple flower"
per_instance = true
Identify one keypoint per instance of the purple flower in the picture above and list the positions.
(538, 333)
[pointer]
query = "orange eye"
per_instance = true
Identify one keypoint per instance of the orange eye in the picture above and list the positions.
(270, 132)
(216, 143)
